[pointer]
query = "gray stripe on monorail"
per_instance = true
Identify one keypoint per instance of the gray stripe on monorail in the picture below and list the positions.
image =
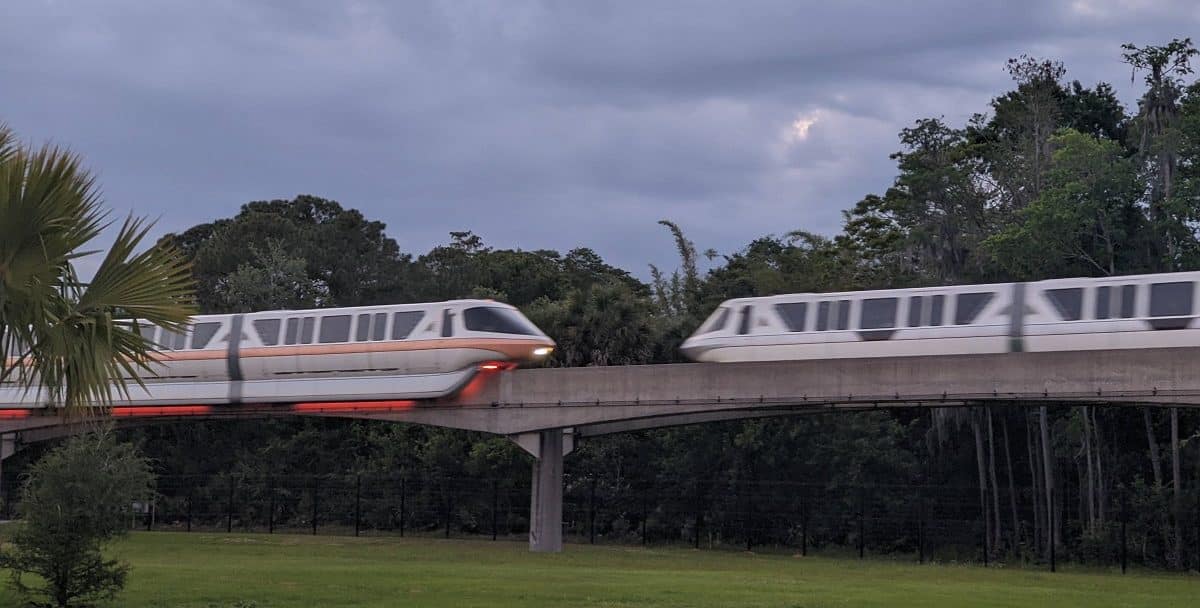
(232, 362)
(1016, 319)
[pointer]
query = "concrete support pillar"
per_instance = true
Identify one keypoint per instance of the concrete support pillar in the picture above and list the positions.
(545, 506)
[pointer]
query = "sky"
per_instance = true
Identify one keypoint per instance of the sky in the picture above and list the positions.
(536, 124)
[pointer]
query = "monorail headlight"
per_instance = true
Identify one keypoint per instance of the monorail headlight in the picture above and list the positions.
(542, 351)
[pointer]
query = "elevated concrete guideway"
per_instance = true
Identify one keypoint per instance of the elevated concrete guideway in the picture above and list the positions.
(544, 410)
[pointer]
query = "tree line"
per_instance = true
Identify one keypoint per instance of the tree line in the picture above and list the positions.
(1053, 178)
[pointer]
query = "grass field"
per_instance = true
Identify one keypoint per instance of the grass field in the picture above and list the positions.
(220, 570)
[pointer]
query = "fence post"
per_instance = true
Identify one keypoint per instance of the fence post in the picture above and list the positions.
(402, 507)
(983, 518)
(149, 514)
(446, 503)
(862, 511)
(229, 507)
(1050, 499)
(191, 494)
(592, 512)
(803, 526)
(1124, 522)
(495, 505)
(749, 519)
(920, 526)
(644, 517)
(271, 505)
(357, 503)
(316, 493)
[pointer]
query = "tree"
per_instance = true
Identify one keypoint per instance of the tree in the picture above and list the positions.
(1083, 220)
(76, 499)
(348, 260)
(78, 339)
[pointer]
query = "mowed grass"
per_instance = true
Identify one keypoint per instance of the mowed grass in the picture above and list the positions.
(211, 570)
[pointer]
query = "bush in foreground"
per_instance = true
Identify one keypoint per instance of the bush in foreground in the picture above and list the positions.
(75, 500)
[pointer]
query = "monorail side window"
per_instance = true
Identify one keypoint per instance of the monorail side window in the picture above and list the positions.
(172, 340)
(935, 310)
(793, 314)
(914, 310)
(1128, 296)
(1171, 299)
(447, 323)
(306, 330)
(362, 331)
(744, 323)
(334, 328)
(720, 318)
(379, 327)
(202, 333)
(403, 323)
(497, 320)
(292, 331)
(879, 313)
(969, 305)
(1069, 302)
(843, 314)
(268, 331)
(823, 315)
(1103, 295)
(147, 332)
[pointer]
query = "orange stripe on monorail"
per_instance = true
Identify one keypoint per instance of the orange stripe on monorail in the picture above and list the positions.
(14, 413)
(508, 347)
(353, 406)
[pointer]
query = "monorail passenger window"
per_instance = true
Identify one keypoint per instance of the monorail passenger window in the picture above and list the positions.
(172, 340)
(497, 320)
(915, 304)
(1171, 299)
(379, 326)
(447, 323)
(1069, 302)
(362, 331)
(843, 314)
(335, 328)
(969, 305)
(306, 330)
(793, 314)
(1128, 295)
(744, 323)
(148, 332)
(937, 305)
(403, 323)
(1103, 295)
(823, 315)
(268, 331)
(720, 318)
(292, 331)
(202, 333)
(878, 313)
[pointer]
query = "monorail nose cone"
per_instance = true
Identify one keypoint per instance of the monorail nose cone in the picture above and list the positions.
(691, 350)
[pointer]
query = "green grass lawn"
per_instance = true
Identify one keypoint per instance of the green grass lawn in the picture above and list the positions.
(221, 570)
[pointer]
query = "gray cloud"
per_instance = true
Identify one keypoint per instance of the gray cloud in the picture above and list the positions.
(536, 124)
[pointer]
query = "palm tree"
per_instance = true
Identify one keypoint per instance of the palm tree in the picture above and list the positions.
(79, 340)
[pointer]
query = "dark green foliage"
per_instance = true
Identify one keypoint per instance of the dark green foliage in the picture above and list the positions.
(76, 499)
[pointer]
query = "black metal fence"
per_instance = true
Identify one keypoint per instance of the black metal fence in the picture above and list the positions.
(905, 521)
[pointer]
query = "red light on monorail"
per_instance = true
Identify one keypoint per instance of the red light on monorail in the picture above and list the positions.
(13, 413)
(160, 410)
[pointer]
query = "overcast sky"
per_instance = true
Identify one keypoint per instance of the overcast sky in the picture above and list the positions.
(535, 124)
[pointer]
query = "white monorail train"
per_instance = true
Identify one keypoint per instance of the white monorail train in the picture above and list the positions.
(1145, 311)
(406, 351)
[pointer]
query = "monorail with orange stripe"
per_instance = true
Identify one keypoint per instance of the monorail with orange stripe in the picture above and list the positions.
(365, 353)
